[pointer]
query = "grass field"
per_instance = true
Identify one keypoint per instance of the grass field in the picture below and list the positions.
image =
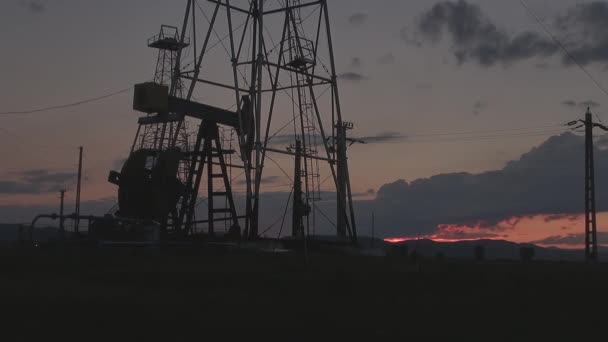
(179, 293)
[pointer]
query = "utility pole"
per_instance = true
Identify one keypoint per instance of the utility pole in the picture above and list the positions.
(298, 207)
(343, 182)
(373, 227)
(61, 219)
(77, 208)
(590, 208)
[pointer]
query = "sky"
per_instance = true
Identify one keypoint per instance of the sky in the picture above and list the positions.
(414, 75)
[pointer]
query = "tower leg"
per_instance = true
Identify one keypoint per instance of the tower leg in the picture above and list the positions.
(298, 206)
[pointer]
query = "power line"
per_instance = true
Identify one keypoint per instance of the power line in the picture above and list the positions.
(562, 46)
(484, 131)
(74, 104)
(486, 137)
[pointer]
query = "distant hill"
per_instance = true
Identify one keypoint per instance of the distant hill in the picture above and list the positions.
(494, 250)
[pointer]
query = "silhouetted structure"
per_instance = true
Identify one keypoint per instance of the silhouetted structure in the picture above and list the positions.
(590, 212)
(78, 186)
(61, 219)
(300, 208)
(160, 180)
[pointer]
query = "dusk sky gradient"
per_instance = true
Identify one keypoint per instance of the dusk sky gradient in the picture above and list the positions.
(404, 75)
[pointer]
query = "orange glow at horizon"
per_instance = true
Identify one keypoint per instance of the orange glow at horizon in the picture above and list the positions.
(433, 238)
(528, 229)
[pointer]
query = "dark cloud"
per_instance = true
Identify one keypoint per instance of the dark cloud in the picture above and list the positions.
(357, 19)
(36, 181)
(569, 103)
(386, 137)
(452, 233)
(570, 239)
(387, 59)
(477, 39)
(585, 30)
(478, 107)
(46, 176)
(286, 140)
(580, 104)
(547, 180)
(316, 140)
(34, 6)
(15, 187)
(559, 217)
(353, 77)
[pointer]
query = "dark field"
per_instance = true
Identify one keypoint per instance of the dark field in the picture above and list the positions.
(174, 294)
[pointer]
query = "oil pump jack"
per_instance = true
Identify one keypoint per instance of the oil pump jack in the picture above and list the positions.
(160, 180)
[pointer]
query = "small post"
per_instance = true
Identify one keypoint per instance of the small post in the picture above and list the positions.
(373, 228)
(298, 206)
(341, 177)
(61, 218)
(77, 208)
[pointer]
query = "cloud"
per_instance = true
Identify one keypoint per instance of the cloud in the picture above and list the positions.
(33, 6)
(449, 232)
(357, 19)
(475, 38)
(569, 240)
(36, 181)
(580, 104)
(559, 217)
(285, 140)
(478, 107)
(586, 32)
(387, 59)
(570, 103)
(46, 176)
(353, 77)
(381, 138)
(547, 180)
